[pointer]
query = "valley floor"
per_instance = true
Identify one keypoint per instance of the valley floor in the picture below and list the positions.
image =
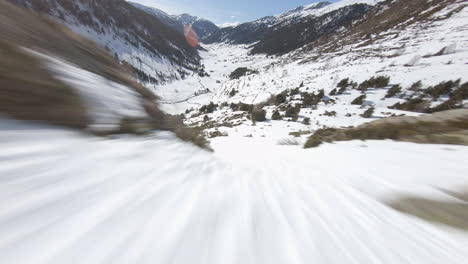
(71, 198)
(281, 74)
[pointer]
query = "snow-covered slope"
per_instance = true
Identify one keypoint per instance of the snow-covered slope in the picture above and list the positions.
(156, 52)
(164, 17)
(67, 198)
(319, 9)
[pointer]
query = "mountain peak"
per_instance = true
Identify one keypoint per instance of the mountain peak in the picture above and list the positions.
(303, 10)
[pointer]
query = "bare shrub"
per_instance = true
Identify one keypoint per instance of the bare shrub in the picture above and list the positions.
(449, 127)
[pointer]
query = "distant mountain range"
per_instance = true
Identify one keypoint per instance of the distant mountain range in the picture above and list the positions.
(283, 33)
(202, 27)
(274, 35)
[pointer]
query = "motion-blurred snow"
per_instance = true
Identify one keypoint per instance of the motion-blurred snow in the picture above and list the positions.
(70, 198)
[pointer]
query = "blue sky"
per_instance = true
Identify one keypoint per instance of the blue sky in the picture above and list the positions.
(224, 11)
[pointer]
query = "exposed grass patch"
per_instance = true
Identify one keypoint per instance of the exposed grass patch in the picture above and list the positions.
(454, 214)
(449, 127)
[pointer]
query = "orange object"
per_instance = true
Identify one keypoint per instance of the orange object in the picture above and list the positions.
(191, 36)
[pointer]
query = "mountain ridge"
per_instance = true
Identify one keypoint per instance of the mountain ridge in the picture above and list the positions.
(285, 32)
(201, 26)
(156, 53)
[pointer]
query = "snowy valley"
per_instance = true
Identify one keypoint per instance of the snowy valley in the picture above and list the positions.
(331, 133)
(408, 63)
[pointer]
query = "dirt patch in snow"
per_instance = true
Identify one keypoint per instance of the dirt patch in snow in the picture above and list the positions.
(451, 213)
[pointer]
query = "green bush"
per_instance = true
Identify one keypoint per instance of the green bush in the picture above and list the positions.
(414, 105)
(310, 99)
(461, 93)
(241, 71)
(306, 121)
(375, 82)
(258, 115)
(344, 83)
(368, 113)
(293, 111)
(281, 98)
(396, 89)
(447, 105)
(246, 107)
(276, 115)
(320, 95)
(208, 109)
(454, 102)
(233, 92)
(341, 90)
(359, 100)
(234, 107)
(442, 88)
(331, 114)
(294, 91)
(333, 92)
(416, 86)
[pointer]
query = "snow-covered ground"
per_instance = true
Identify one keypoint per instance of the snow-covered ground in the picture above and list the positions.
(219, 60)
(71, 198)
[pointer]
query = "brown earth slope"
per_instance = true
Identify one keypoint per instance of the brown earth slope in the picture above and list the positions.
(448, 127)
